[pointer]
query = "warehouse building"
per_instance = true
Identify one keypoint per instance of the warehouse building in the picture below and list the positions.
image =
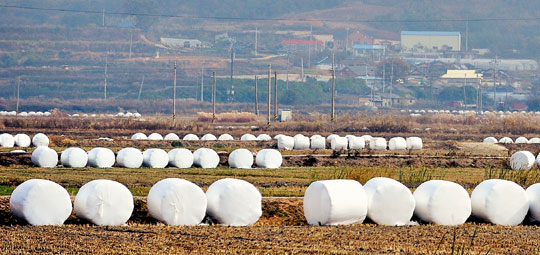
(430, 41)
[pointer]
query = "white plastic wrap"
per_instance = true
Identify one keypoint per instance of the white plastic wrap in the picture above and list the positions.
(339, 143)
(285, 142)
(139, 136)
(74, 158)
(264, 137)
(22, 140)
(378, 144)
(171, 137)
(367, 137)
(241, 158)
(522, 160)
(356, 143)
(500, 202)
(190, 137)
(414, 143)
(442, 202)
(318, 142)
(7, 141)
(506, 140)
(155, 158)
(176, 201)
(301, 142)
(180, 158)
(389, 202)
(521, 139)
(276, 137)
(205, 158)
(533, 193)
(40, 139)
(101, 158)
(208, 137)
(225, 137)
(335, 202)
(41, 202)
(234, 202)
(104, 202)
(330, 137)
(155, 137)
(269, 158)
(397, 143)
(45, 157)
(534, 140)
(129, 158)
(248, 137)
(490, 139)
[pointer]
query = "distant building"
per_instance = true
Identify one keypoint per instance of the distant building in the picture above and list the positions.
(430, 41)
(369, 50)
(181, 43)
(461, 77)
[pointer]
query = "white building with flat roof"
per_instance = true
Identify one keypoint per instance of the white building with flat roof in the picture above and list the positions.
(430, 41)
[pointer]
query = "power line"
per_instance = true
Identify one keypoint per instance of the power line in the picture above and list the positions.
(267, 19)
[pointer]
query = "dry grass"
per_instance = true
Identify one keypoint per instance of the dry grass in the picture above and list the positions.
(228, 117)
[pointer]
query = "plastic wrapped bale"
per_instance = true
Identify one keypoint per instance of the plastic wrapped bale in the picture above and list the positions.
(7, 140)
(522, 160)
(318, 142)
(176, 201)
(155, 137)
(378, 144)
(414, 143)
(129, 158)
(500, 202)
(367, 137)
(241, 158)
(22, 140)
(356, 143)
(301, 142)
(534, 140)
(335, 202)
(171, 137)
(101, 158)
(533, 193)
(521, 139)
(269, 158)
(389, 202)
(248, 137)
(339, 143)
(208, 137)
(190, 137)
(104, 202)
(40, 139)
(234, 202)
(45, 157)
(442, 202)
(397, 143)
(139, 136)
(155, 158)
(74, 158)
(180, 158)
(330, 137)
(264, 137)
(205, 158)
(276, 137)
(41, 202)
(285, 142)
(225, 137)
(490, 139)
(506, 140)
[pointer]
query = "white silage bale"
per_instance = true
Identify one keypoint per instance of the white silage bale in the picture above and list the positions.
(335, 202)
(533, 193)
(500, 202)
(285, 142)
(74, 158)
(45, 157)
(521, 139)
(356, 143)
(129, 158)
(23, 114)
(442, 202)
(41, 202)
(177, 202)
(208, 137)
(269, 158)
(389, 202)
(276, 137)
(367, 138)
(264, 137)
(225, 137)
(397, 143)
(190, 137)
(7, 141)
(171, 137)
(339, 143)
(205, 158)
(101, 158)
(248, 137)
(155, 137)
(330, 137)
(155, 158)
(378, 143)
(506, 140)
(318, 142)
(414, 143)
(180, 158)
(490, 139)
(104, 202)
(301, 142)
(241, 158)
(22, 140)
(40, 139)
(522, 160)
(139, 136)
(534, 140)
(234, 202)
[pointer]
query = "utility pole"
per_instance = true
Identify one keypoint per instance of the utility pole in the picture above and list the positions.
(202, 84)
(256, 41)
(105, 76)
(384, 77)
(467, 36)
(333, 112)
(103, 17)
(302, 66)
(232, 74)
(256, 96)
(269, 92)
(140, 88)
(214, 98)
(495, 83)
(392, 82)
(18, 94)
(372, 93)
(275, 97)
(465, 92)
(309, 46)
(130, 44)
(174, 93)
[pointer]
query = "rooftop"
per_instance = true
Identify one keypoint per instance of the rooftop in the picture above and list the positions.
(436, 33)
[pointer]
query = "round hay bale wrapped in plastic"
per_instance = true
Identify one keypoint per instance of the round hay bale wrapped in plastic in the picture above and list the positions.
(389, 202)
(176, 201)
(241, 158)
(330, 137)
(522, 160)
(225, 137)
(22, 140)
(7, 140)
(190, 137)
(506, 140)
(442, 202)
(180, 158)
(208, 137)
(318, 142)
(101, 157)
(139, 136)
(155, 158)
(533, 193)
(276, 137)
(269, 158)
(74, 158)
(234, 202)
(171, 137)
(205, 158)
(40, 139)
(378, 144)
(41, 202)
(367, 137)
(397, 143)
(264, 137)
(104, 202)
(285, 142)
(129, 158)
(301, 142)
(490, 139)
(414, 143)
(534, 140)
(356, 143)
(155, 137)
(248, 137)
(335, 202)
(45, 157)
(500, 202)
(339, 143)
(521, 139)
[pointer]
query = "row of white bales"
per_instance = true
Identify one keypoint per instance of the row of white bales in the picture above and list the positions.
(508, 140)
(236, 202)
(47, 114)
(470, 112)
